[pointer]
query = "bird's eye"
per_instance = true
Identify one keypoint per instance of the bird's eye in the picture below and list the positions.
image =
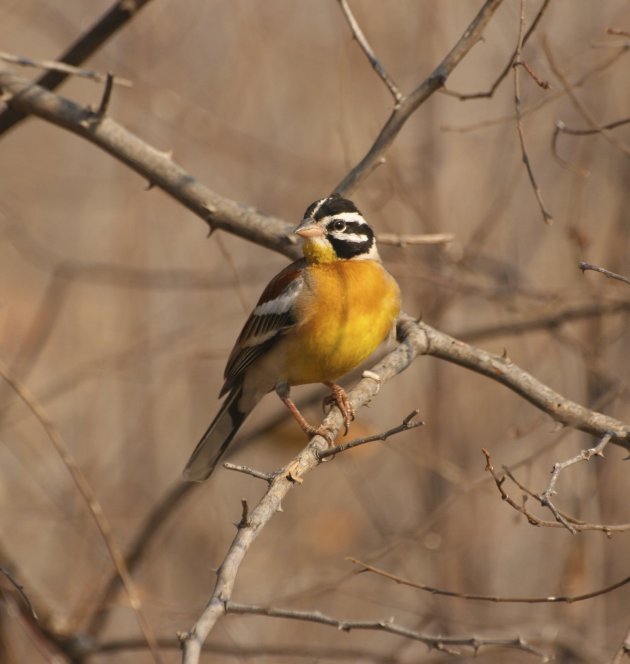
(339, 225)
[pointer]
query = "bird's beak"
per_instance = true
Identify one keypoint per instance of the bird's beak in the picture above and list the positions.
(308, 228)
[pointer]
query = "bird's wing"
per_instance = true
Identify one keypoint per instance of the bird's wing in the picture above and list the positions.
(272, 316)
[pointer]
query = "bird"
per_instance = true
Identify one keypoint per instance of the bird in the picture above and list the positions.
(318, 319)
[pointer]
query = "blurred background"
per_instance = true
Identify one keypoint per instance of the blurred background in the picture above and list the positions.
(118, 313)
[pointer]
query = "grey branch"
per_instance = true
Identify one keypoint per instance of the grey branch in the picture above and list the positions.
(602, 270)
(53, 65)
(408, 104)
(558, 467)
(357, 33)
(157, 167)
(441, 643)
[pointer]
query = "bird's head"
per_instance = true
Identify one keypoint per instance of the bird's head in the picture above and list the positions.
(334, 229)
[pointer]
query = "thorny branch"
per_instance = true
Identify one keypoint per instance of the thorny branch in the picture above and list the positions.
(120, 13)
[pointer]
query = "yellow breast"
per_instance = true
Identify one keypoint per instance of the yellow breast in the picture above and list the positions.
(347, 308)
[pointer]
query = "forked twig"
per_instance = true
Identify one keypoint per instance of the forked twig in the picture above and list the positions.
(407, 424)
(558, 467)
(576, 524)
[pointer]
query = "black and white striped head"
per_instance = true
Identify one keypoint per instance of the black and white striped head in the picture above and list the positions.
(334, 229)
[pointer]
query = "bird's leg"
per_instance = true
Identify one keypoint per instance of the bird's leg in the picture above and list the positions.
(282, 390)
(340, 398)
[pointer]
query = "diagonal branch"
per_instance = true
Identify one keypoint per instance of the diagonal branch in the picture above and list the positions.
(157, 167)
(407, 105)
(121, 12)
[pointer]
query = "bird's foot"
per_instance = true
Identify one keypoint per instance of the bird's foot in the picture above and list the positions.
(339, 398)
(307, 428)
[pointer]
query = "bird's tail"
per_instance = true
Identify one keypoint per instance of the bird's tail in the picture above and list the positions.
(216, 439)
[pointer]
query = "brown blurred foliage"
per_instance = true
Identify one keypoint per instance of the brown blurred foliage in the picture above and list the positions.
(118, 314)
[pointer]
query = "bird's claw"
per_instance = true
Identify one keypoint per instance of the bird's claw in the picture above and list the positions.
(339, 398)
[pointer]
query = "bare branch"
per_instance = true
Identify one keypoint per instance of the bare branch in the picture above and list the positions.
(93, 505)
(407, 425)
(157, 167)
(115, 18)
(568, 599)
(246, 470)
(623, 651)
(508, 66)
(143, 539)
(407, 240)
(580, 106)
(19, 589)
(547, 99)
(602, 270)
(421, 338)
(358, 35)
(440, 643)
(410, 103)
(52, 65)
(558, 467)
(578, 525)
(549, 322)
(518, 60)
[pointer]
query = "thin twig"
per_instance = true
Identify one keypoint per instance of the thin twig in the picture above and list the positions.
(119, 14)
(440, 643)
(20, 591)
(156, 166)
(52, 65)
(568, 599)
(579, 105)
(547, 99)
(549, 322)
(407, 425)
(558, 129)
(358, 35)
(602, 270)
(143, 539)
(578, 525)
(558, 467)
(401, 240)
(623, 651)
(107, 93)
(540, 82)
(94, 507)
(258, 474)
(410, 103)
(518, 60)
(506, 70)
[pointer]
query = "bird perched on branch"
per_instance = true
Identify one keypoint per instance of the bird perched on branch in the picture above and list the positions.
(317, 319)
